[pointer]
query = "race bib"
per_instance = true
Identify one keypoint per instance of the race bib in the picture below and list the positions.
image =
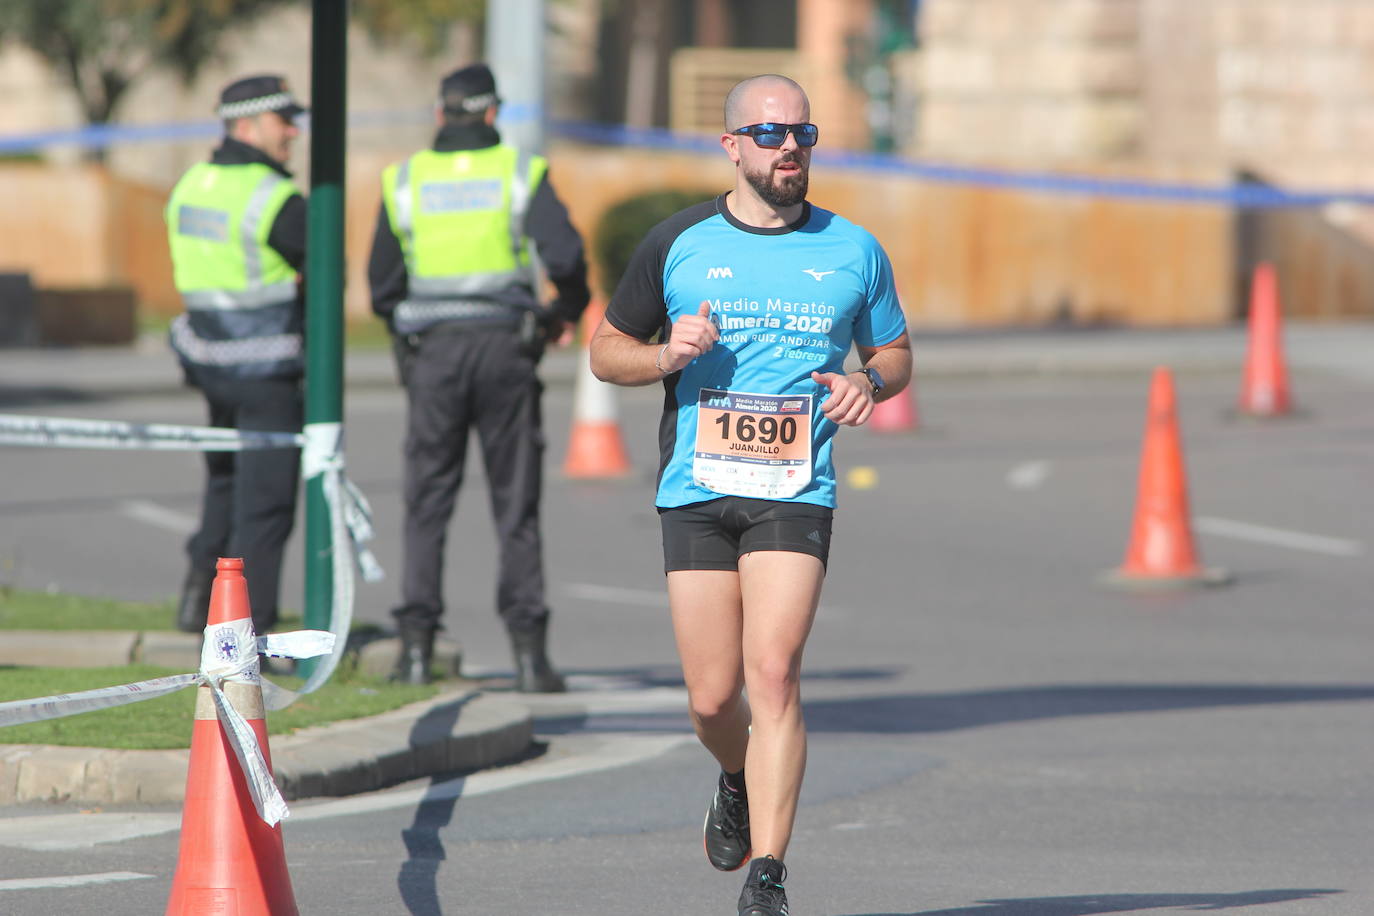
(756, 445)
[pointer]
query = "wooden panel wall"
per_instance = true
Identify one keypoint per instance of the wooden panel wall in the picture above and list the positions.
(963, 256)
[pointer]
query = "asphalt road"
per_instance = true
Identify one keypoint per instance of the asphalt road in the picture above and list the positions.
(993, 733)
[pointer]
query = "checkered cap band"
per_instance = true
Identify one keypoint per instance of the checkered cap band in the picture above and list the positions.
(249, 107)
(478, 102)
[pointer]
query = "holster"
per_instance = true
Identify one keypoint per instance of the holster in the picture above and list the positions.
(534, 332)
(404, 347)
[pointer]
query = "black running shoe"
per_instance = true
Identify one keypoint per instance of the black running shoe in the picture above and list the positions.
(763, 894)
(726, 832)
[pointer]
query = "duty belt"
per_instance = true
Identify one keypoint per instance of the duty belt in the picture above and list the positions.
(412, 316)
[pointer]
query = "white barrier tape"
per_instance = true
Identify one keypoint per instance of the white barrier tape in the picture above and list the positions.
(267, 798)
(358, 517)
(224, 653)
(322, 449)
(322, 454)
(21, 712)
(224, 656)
(18, 429)
(297, 644)
(350, 529)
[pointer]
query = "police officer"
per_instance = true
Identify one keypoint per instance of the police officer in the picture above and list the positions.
(237, 226)
(453, 271)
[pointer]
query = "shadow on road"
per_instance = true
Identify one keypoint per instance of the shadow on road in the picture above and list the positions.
(418, 878)
(914, 713)
(1088, 905)
(941, 712)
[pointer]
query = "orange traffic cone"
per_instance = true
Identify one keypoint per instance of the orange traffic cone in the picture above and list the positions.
(1264, 390)
(595, 448)
(1161, 549)
(230, 861)
(897, 414)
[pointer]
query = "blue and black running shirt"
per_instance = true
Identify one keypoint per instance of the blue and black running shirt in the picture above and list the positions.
(788, 301)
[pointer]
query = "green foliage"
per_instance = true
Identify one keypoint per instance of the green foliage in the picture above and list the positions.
(625, 224)
(102, 47)
(426, 22)
(165, 722)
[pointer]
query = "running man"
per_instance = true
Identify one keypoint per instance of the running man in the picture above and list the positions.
(745, 308)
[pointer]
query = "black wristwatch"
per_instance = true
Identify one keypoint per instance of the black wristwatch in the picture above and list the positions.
(874, 379)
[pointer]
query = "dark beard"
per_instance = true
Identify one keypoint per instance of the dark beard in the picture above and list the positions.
(789, 193)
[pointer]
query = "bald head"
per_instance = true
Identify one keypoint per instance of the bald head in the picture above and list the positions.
(756, 98)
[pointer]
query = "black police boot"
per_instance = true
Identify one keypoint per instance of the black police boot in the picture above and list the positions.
(533, 673)
(417, 653)
(195, 600)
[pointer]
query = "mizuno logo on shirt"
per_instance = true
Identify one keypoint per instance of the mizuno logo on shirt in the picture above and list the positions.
(716, 273)
(818, 274)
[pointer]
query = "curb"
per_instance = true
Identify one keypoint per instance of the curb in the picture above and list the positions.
(456, 731)
(100, 648)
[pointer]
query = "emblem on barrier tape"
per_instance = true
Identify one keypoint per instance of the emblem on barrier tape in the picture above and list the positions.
(227, 644)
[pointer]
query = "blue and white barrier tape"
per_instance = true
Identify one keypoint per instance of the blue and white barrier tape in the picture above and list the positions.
(1239, 195)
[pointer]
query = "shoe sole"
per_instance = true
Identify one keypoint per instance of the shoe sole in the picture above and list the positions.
(742, 862)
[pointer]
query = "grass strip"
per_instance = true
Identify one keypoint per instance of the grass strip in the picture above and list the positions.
(165, 722)
(26, 610)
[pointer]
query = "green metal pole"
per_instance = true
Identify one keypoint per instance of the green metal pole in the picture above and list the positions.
(324, 286)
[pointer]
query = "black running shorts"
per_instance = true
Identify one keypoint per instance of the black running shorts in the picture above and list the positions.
(714, 534)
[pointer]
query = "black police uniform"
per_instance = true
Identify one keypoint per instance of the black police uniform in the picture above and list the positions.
(249, 503)
(461, 375)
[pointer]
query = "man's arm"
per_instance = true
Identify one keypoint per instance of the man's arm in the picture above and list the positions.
(892, 361)
(851, 399)
(619, 358)
(560, 250)
(386, 268)
(287, 235)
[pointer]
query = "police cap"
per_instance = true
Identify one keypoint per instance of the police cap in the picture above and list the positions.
(252, 95)
(468, 90)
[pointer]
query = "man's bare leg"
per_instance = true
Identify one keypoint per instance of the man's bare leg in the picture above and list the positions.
(707, 624)
(780, 591)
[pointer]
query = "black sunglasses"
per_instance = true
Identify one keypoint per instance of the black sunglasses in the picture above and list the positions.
(771, 135)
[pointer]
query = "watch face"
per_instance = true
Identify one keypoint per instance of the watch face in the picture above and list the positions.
(874, 379)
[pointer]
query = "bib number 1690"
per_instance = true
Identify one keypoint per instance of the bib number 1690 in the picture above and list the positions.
(766, 429)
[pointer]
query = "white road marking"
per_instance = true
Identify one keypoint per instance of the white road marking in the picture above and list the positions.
(151, 513)
(28, 884)
(51, 832)
(1028, 475)
(1279, 537)
(48, 832)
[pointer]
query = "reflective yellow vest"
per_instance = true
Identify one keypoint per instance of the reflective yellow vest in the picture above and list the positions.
(460, 218)
(242, 319)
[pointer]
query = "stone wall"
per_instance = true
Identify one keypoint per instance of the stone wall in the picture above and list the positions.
(1192, 89)
(1030, 81)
